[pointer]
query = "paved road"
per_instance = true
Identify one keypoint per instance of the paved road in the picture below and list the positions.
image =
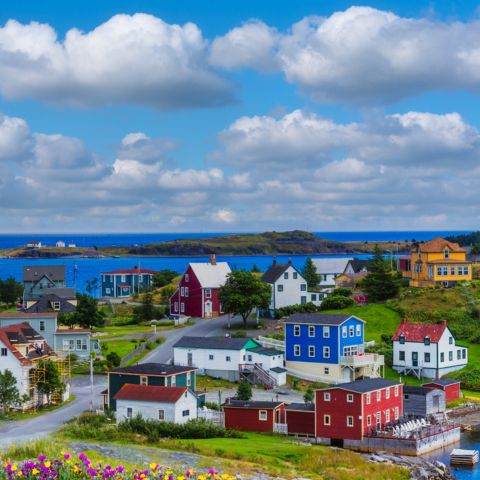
(41, 426)
(201, 328)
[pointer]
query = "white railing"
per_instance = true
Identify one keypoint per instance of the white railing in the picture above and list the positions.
(362, 360)
(268, 342)
(280, 428)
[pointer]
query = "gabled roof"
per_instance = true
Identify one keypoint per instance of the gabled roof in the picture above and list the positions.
(412, 390)
(264, 351)
(134, 270)
(331, 265)
(221, 343)
(26, 315)
(275, 271)
(320, 318)
(365, 386)
(264, 405)
(358, 265)
(304, 407)
(416, 332)
(438, 244)
(158, 369)
(211, 275)
(444, 382)
(150, 393)
(32, 273)
(61, 292)
(44, 304)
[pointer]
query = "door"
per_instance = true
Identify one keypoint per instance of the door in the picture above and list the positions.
(190, 359)
(436, 404)
(415, 359)
(208, 309)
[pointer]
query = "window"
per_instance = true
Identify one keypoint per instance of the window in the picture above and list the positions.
(311, 351)
(344, 332)
(427, 357)
(182, 291)
(450, 356)
(396, 413)
(250, 358)
(208, 293)
(4, 352)
(426, 341)
(401, 355)
(173, 381)
(262, 415)
(326, 371)
(465, 270)
(314, 297)
(79, 344)
(303, 299)
(445, 270)
(285, 275)
(187, 277)
(186, 413)
(123, 278)
(442, 357)
(359, 330)
(295, 275)
(450, 340)
(452, 270)
(189, 382)
(396, 391)
(326, 352)
(210, 357)
(326, 397)
(303, 287)
(350, 397)
(324, 277)
(369, 398)
(446, 253)
(326, 332)
(296, 330)
(56, 306)
(71, 344)
(279, 287)
(186, 291)
(351, 331)
(228, 358)
(349, 421)
(143, 380)
(459, 354)
(379, 395)
(387, 415)
(311, 331)
(108, 291)
(161, 414)
(129, 412)
(42, 325)
(182, 307)
(464, 353)
(176, 306)
(401, 339)
(326, 420)
(387, 393)
(369, 420)
(296, 350)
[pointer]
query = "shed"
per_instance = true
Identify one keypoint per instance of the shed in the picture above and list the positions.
(422, 401)
(450, 386)
(255, 416)
(301, 419)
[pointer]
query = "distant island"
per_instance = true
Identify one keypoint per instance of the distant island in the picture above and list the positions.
(295, 242)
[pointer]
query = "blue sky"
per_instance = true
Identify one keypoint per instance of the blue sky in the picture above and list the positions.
(328, 116)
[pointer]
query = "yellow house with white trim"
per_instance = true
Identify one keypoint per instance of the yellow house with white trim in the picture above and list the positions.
(439, 262)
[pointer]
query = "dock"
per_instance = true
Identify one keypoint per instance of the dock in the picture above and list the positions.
(463, 457)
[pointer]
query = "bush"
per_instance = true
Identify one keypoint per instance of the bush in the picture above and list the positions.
(213, 406)
(470, 379)
(342, 292)
(336, 302)
(113, 360)
(291, 309)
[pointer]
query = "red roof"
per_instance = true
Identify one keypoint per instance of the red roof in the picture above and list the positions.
(27, 315)
(416, 332)
(149, 393)
(19, 329)
(134, 270)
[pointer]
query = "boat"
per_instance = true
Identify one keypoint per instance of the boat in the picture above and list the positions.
(459, 456)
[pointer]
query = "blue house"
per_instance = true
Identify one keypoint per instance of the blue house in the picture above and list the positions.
(328, 348)
(122, 283)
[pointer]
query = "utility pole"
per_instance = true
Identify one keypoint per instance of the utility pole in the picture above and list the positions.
(91, 382)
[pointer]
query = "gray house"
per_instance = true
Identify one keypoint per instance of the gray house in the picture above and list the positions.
(38, 278)
(422, 401)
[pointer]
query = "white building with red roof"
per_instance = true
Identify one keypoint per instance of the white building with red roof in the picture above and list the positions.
(169, 404)
(124, 282)
(427, 350)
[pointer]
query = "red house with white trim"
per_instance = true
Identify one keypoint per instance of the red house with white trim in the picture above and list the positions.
(300, 418)
(352, 410)
(197, 292)
(450, 386)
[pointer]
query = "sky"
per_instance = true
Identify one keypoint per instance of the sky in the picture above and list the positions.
(216, 115)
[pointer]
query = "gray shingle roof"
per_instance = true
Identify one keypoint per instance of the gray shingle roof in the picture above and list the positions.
(252, 404)
(358, 265)
(307, 407)
(274, 272)
(152, 369)
(278, 369)
(223, 343)
(265, 351)
(32, 273)
(443, 381)
(366, 385)
(410, 390)
(318, 318)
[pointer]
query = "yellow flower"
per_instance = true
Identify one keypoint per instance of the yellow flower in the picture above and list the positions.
(75, 468)
(153, 466)
(14, 467)
(35, 471)
(48, 464)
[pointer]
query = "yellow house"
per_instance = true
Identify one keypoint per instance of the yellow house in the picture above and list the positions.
(439, 262)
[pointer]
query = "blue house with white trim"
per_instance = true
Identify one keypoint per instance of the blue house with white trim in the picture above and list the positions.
(328, 348)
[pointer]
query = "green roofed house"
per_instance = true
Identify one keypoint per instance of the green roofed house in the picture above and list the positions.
(156, 374)
(231, 359)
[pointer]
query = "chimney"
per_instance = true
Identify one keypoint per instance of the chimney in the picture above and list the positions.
(274, 260)
(444, 323)
(404, 321)
(289, 261)
(213, 260)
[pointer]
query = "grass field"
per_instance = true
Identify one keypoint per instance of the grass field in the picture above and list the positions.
(122, 347)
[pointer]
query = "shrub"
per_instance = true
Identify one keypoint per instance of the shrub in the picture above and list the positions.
(213, 406)
(291, 309)
(470, 379)
(336, 302)
(342, 292)
(113, 360)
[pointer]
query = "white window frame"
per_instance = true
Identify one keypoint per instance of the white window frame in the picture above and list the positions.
(176, 306)
(297, 351)
(358, 329)
(344, 332)
(311, 351)
(182, 307)
(326, 352)
(173, 382)
(349, 397)
(387, 392)
(327, 420)
(387, 415)
(326, 332)
(182, 291)
(208, 293)
(296, 330)
(379, 395)
(327, 396)
(350, 421)
(368, 398)
(143, 380)
(351, 331)
(187, 277)
(186, 291)
(396, 390)
(369, 420)
(311, 331)
(129, 412)
(396, 413)
(161, 415)
(262, 415)
(4, 352)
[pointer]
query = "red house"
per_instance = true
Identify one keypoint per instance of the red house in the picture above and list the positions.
(197, 292)
(255, 416)
(351, 410)
(300, 419)
(450, 386)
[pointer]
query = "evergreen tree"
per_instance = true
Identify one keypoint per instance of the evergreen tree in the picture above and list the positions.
(382, 282)
(51, 381)
(255, 268)
(244, 391)
(310, 273)
(309, 395)
(9, 394)
(87, 314)
(10, 291)
(147, 311)
(163, 277)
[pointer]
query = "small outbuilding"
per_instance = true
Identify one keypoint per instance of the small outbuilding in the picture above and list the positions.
(255, 416)
(450, 386)
(422, 402)
(301, 419)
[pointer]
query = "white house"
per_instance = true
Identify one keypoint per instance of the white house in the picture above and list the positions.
(288, 286)
(329, 269)
(168, 404)
(231, 358)
(60, 244)
(427, 350)
(34, 244)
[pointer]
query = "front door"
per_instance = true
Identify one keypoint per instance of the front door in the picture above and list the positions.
(208, 309)
(415, 359)
(190, 359)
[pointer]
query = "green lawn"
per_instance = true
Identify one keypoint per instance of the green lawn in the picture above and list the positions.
(205, 382)
(122, 347)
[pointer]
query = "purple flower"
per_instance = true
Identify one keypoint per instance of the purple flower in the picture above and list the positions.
(42, 457)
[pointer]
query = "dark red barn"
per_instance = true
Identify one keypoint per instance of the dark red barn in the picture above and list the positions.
(301, 419)
(351, 410)
(450, 386)
(255, 416)
(197, 292)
